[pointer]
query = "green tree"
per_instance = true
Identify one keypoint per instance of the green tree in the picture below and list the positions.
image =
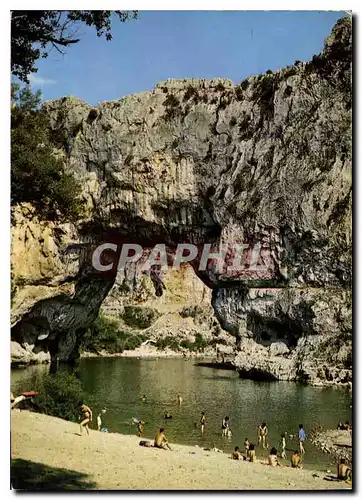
(60, 395)
(37, 173)
(33, 32)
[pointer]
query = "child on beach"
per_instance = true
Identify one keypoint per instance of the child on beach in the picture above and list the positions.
(251, 454)
(273, 459)
(246, 445)
(296, 460)
(140, 428)
(99, 419)
(236, 455)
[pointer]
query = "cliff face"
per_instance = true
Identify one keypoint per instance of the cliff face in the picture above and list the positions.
(204, 161)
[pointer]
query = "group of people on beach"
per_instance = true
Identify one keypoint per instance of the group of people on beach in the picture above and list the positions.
(249, 454)
(262, 433)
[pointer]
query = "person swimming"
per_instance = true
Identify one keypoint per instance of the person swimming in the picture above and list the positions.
(143, 398)
(167, 415)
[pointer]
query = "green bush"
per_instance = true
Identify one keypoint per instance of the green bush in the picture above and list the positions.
(60, 395)
(139, 317)
(105, 334)
(168, 341)
(37, 174)
(199, 343)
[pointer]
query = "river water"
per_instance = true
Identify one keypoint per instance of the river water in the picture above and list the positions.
(119, 383)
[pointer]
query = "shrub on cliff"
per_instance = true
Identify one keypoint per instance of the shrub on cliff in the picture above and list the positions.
(139, 317)
(105, 334)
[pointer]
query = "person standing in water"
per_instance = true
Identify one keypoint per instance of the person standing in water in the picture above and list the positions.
(283, 445)
(87, 418)
(179, 399)
(302, 438)
(246, 446)
(262, 434)
(203, 421)
(225, 426)
(140, 428)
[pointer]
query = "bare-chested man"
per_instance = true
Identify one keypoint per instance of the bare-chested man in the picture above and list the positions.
(161, 441)
(87, 417)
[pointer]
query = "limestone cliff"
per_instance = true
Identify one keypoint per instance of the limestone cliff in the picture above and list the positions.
(205, 161)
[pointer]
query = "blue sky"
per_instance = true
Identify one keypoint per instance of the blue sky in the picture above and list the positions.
(179, 44)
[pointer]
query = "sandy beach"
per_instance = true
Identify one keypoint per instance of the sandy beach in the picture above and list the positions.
(48, 453)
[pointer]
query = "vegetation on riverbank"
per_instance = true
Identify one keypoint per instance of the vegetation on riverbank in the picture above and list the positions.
(61, 395)
(106, 334)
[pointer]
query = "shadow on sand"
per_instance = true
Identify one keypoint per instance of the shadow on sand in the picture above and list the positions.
(32, 476)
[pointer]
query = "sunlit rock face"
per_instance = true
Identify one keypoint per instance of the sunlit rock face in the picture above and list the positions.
(266, 162)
